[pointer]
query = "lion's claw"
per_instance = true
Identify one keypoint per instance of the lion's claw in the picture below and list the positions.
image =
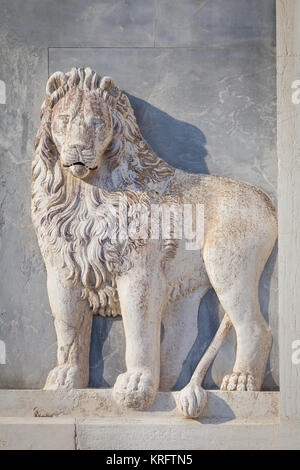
(238, 381)
(135, 389)
(65, 377)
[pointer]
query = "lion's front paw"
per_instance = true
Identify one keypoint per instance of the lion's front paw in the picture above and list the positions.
(136, 389)
(238, 381)
(191, 400)
(65, 377)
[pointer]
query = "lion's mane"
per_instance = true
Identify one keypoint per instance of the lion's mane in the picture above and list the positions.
(78, 220)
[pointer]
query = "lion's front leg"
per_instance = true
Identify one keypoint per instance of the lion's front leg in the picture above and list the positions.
(73, 322)
(142, 296)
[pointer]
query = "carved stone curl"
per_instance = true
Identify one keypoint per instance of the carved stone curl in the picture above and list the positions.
(91, 160)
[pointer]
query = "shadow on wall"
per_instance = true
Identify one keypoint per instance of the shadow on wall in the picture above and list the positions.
(182, 145)
(105, 347)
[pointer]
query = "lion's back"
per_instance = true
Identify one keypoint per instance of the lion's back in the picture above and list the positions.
(225, 200)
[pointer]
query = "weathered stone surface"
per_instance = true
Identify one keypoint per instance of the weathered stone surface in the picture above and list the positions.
(161, 433)
(288, 138)
(37, 434)
(91, 23)
(203, 23)
(200, 110)
(135, 434)
(100, 403)
(26, 324)
(168, 23)
(209, 127)
(91, 160)
(158, 98)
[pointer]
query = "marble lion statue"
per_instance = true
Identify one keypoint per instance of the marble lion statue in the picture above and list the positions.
(90, 158)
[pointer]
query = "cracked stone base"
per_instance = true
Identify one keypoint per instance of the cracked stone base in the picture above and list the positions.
(91, 419)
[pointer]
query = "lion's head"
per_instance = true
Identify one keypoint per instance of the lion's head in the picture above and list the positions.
(82, 129)
(89, 154)
(93, 132)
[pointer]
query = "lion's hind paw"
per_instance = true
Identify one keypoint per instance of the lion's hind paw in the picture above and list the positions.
(191, 400)
(238, 381)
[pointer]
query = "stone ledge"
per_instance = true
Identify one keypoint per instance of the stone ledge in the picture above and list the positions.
(174, 434)
(100, 403)
(160, 433)
(37, 433)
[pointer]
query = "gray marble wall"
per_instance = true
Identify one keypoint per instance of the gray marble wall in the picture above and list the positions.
(201, 77)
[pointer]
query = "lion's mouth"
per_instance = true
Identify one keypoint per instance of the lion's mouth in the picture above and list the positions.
(79, 169)
(79, 163)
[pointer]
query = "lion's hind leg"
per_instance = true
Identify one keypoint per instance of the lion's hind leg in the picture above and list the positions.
(234, 270)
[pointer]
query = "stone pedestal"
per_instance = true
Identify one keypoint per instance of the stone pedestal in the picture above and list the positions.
(91, 419)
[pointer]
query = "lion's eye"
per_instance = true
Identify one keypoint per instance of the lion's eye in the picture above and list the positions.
(64, 118)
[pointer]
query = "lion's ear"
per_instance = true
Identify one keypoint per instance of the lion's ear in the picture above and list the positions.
(57, 80)
(106, 83)
(109, 90)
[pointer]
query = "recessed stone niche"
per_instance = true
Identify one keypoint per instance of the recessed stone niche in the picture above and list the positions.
(204, 100)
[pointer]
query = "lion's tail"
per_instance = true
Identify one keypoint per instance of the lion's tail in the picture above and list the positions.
(210, 353)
